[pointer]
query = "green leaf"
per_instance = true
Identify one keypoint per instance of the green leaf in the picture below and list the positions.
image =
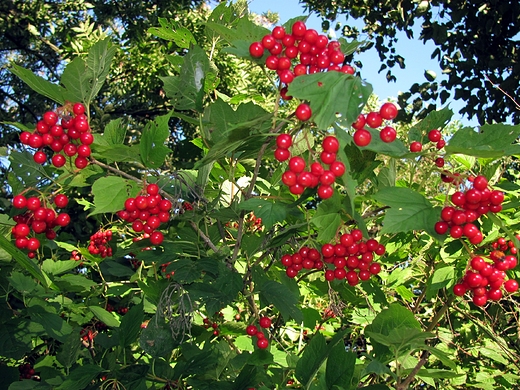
(395, 317)
(69, 351)
(131, 325)
(104, 316)
(491, 141)
(283, 299)
(53, 324)
(80, 377)
(22, 283)
(156, 339)
(443, 357)
(341, 367)
(113, 134)
(28, 264)
(84, 79)
(402, 340)
(331, 94)
(409, 210)
(39, 84)
(110, 194)
(438, 374)
(58, 267)
(187, 89)
(270, 212)
(152, 148)
(171, 31)
(14, 343)
(314, 355)
(118, 153)
(28, 172)
(442, 277)
(434, 120)
(327, 218)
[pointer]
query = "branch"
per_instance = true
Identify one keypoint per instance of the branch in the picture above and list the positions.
(425, 354)
(115, 170)
(501, 90)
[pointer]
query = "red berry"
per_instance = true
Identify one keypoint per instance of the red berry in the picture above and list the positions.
(156, 238)
(327, 158)
(265, 322)
(78, 109)
(61, 201)
(388, 134)
(441, 227)
(360, 122)
(459, 290)
(296, 164)
(58, 160)
(40, 157)
(284, 141)
(325, 191)
(50, 118)
(511, 286)
(86, 138)
(251, 330)
(374, 120)
(434, 135)
(282, 154)
(63, 219)
(337, 168)
(330, 144)
(298, 29)
(80, 162)
(415, 147)
(278, 32)
(19, 201)
(262, 343)
(362, 137)
(33, 244)
(303, 112)
(480, 183)
(152, 189)
(388, 111)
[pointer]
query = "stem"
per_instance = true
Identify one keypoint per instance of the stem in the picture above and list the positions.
(115, 170)
(205, 238)
(425, 354)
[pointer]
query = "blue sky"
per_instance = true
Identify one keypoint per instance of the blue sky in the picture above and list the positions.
(416, 54)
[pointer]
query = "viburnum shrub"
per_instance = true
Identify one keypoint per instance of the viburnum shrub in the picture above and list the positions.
(297, 234)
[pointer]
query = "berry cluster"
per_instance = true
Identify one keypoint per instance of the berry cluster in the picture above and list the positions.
(75, 255)
(87, 335)
(352, 258)
(164, 270)
(297, 178)
(211, 324)
(99, 243)
(253, 331)
(504, 245)
(27, 371)
(298, 52)
(147, 212)
(306, 258)
(435, 137)
(486, 279)
(70, 134)
(467, 207)
(374, 120)
(37, 219)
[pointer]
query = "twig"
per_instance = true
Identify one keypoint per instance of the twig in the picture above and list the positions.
(501, 90)
(425, 354)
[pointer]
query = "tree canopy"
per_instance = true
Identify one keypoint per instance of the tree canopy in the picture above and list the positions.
(289, 233)
(476, 43)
